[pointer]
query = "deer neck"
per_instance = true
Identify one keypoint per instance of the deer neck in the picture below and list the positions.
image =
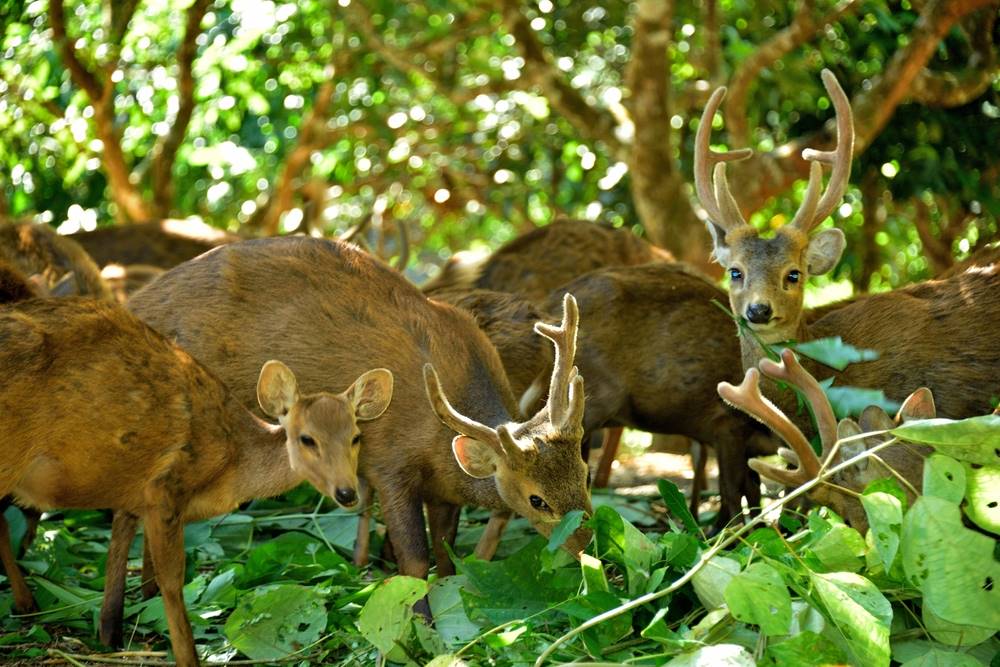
(261, 466)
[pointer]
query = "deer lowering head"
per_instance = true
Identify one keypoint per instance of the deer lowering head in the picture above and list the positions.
(767, 275)
(840, 442)
(317, 426)
(536, 464)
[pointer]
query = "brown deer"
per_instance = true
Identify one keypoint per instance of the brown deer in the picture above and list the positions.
(939, 333)
(902, 460)
(329, 308)
(158, 243)
(178, 445)
(61, 266)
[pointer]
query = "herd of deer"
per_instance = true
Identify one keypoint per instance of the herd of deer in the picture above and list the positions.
(453, 396)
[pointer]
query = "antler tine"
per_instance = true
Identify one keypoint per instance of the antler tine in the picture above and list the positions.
(728, 207)
(807, 210)
(747, 397)
(453, 419)
(791, 371)
(705, 158)
(564, 373)
(840, 157)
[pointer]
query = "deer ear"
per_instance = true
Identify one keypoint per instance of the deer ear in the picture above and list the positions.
(277, 389)
(848, 428)
(824, 251)
(918, 405)
(370, 394)
(721, 252)
(477, 459)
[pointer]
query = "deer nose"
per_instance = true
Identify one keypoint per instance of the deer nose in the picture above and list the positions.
(759, 313)
(346, 497)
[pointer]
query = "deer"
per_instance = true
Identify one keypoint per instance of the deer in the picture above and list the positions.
(840, 441)
(937, 334)
(157, 243)
(180, 446)
(329, 308)
(56, 263)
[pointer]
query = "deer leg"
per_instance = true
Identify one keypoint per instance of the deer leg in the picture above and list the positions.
(24, 602)
(751, 490)
(732, 460)
(403, 513)
(443, 523)
(113, 607)
(487, 546)
(362, 542)
(165, 536)
(699, 460)
(32, 517)
(609, 450)
(149, 583)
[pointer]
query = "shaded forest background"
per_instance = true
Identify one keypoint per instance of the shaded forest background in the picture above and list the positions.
(471, 122)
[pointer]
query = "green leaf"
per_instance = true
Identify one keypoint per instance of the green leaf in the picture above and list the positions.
(450, 619)
(273, 621)
(594, 578)
(940, 658)
(584, 607)
(758, 595)
(953, 634)
(860, 613)
(385, 618)
(885, 521)
(806, 649)
(677, 505)
(983, 497)
(953, 566)
(292, 556)
(567, 526)
(841, 549)
(834, 352)
(851, 401)
(976, 440)
(720, 655)
(448, 660)
(891, 486)
(710, 581)
(625, 545)
(944, 478)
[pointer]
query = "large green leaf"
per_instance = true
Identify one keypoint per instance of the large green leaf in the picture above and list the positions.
(806, 649)
(710, 581)
(622, 543)
(860, 613)
(677, 505)
(293, 555)
(273, 621)
(885, 521)
(841, 549)
(983, 497)
(944, 478)
(953, 566)
(976, 440)
(940, 658)
(758, 595)
(385, 618)
(953, 634)
(851, 401)
(450, 619)
(834, 352)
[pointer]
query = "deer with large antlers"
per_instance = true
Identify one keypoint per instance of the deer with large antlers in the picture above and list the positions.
(939, 334)
(330, 308)
(840, 442)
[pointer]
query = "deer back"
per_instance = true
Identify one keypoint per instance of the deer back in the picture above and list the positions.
(62, 265)
(158, 243)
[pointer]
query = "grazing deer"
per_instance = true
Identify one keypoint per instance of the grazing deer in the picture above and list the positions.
(939, 333)
(903, 460)
(176, 443)
(60, 265)
(329, 308)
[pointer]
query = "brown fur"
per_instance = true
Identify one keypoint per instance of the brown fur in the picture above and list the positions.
(13, 285)
(332, 309)
(159, 243)
(37, 249)
(127, 405)
(982, 259)
(534, 264)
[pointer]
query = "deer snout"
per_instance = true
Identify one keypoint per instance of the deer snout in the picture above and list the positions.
(346, 496)
(759, 313)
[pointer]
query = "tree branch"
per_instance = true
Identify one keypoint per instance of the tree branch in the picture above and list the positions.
(802, 29)
(101, 94)
(953, 89)
(540, 71)
(165, 151)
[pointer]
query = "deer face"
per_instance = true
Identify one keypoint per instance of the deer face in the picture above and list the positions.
(322, 434)
(767, 276)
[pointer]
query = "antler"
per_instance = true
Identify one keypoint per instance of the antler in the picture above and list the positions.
(499, 439)
(791, 371)
(747, 397)
(565, 404)
(713, 189)
(811, 212)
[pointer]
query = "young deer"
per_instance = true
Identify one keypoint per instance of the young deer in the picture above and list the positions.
(330, 308)
(903, 460)
(180, 445)
(938, 334)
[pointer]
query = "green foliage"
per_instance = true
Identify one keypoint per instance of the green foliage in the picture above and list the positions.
(275, 621)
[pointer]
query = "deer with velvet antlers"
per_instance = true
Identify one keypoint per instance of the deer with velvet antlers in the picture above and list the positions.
(941, 334)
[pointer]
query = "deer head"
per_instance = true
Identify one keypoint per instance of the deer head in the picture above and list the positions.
(321, 430)
(536, 464)
(767, 275)
(841, 490)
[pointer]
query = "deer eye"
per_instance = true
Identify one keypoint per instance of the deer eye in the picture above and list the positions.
(735, 274)
(538, 503)
(356, 440)
(307, 441)
(793, 276)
